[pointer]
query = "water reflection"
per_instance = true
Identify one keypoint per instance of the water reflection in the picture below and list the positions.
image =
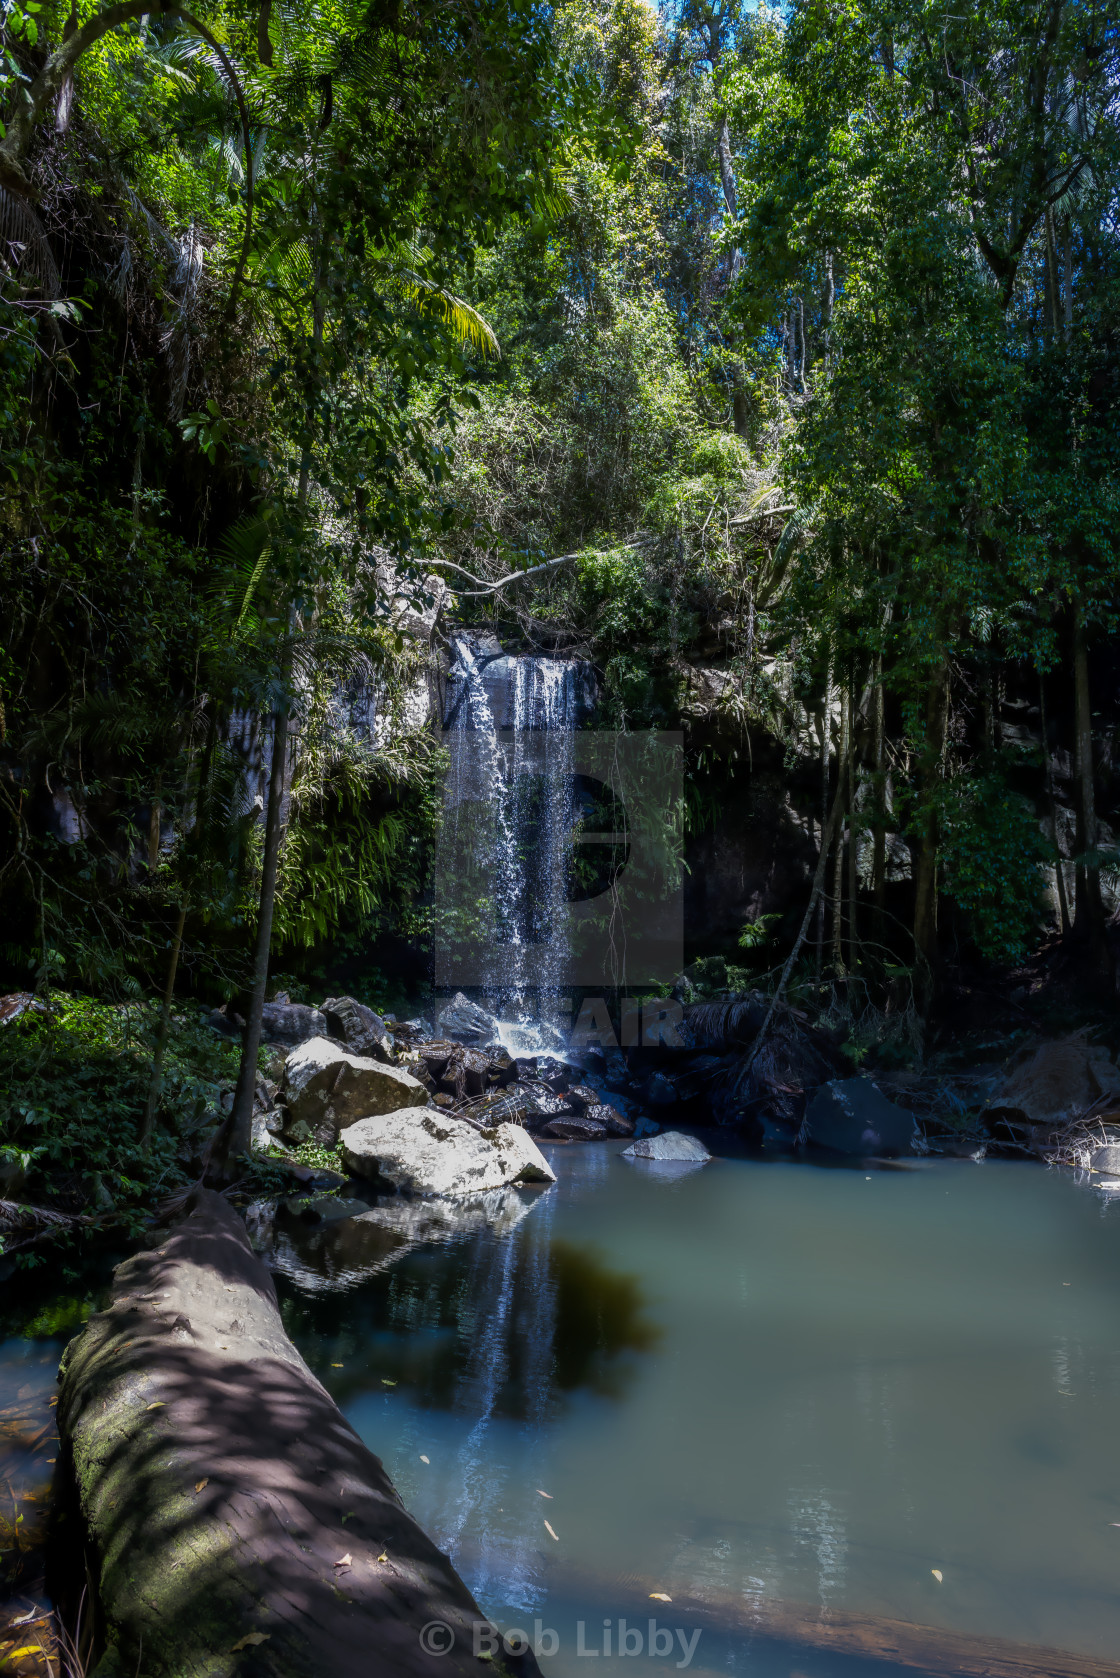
(474, 1307)
(600, 1315)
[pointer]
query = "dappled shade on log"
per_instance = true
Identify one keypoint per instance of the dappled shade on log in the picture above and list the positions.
(222, 1486)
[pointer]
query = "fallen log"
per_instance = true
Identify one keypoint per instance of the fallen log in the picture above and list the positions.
(237, 1523)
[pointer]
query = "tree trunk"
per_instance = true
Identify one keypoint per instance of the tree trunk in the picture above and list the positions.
(1089, 910)
(925, 872)
(1059, 865)
(838, 862)
(879, 841)
(239, 1132)
(826, 720)
(853, 838)
(164, 1033)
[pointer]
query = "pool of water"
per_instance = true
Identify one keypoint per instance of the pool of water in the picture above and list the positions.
(780, 1395)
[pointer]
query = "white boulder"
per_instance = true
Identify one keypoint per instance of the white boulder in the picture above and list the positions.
(326, 1088)
(671, 1144)
(430, 1153)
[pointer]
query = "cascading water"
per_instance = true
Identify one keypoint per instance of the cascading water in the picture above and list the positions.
(510, 723)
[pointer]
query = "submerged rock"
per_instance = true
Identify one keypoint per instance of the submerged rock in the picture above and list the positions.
(671, 1144)
(327, 1088)
(465, 1022)
(431, 1153)
(853, 1116)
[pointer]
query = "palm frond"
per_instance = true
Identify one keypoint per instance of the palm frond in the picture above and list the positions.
(463, 318)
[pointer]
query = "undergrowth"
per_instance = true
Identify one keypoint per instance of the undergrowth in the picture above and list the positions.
(73, 1085)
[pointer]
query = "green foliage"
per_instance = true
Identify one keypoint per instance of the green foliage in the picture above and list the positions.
(74, 1084)
(992, 851)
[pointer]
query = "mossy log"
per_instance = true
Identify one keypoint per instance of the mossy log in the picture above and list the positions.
(238, 1524)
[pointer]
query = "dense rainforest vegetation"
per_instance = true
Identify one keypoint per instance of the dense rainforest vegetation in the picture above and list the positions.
(769, 359)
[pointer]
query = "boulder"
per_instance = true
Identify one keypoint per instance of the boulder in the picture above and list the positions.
(291, 1022)
(1060, 1080)
(852, 1116)
(236, 1524)
(659, 1090)
(432, 1153)
(1106, 1160)
(502, 1106)
(503, 1067)
(465, 1022)
(327, 1088)
(18, 1003)
(576, 1127)
(362, 1031)
(671, 1144)
(582, 1096)
(613, 1122)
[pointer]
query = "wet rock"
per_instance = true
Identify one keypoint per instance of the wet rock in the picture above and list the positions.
(671, 1144)
(435, 1056)
(291, 1022)
(1106, 1160)
(614, 1122)
(659, 1090)
(362, 1031)
(553, 1073)
(852, 1116)
(503, 1067)
(576, 1127)
(503, 1106)
(1060, 1080)
(321, 1208)
(412, 1032)
(582, 1096)
(465, 1021)
(430, 1153)
(327, 1088)
(476, 1072)
(443, 1100)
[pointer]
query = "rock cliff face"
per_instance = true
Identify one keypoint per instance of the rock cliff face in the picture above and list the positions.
(238, 1523)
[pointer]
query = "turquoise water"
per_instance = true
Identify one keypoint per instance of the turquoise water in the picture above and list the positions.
(765, 1390)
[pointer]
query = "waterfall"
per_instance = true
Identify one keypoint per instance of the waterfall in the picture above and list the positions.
(510, 724)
